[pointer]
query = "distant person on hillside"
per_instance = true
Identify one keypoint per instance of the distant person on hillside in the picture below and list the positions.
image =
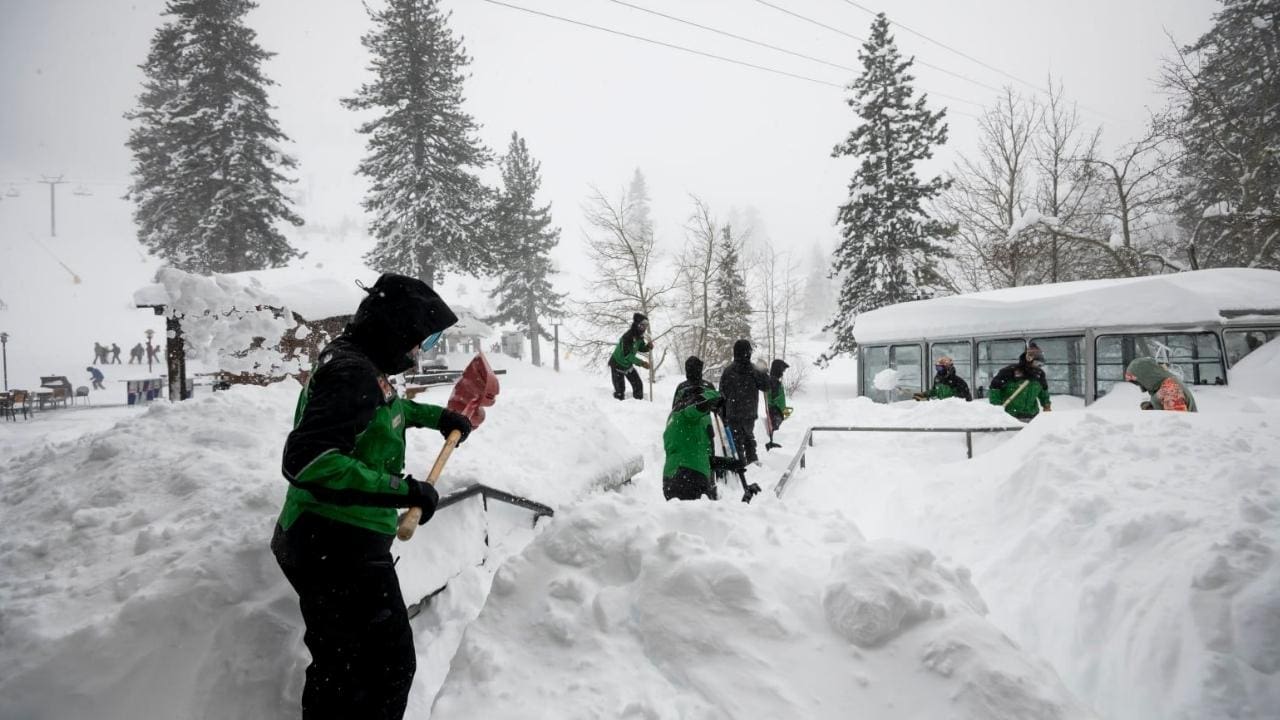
(623, 361)
(115, 354)
(741, 384)
(946, 383)
(99, 354)
(1022, 388)
(1167, 391)
(135, 354)
(96, 376)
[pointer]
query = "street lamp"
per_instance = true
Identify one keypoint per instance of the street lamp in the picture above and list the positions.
(4, 350)
(556, 322)
(149, 333)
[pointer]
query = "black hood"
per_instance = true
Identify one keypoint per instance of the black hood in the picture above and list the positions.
(777, 368)
(396, 316)
(693, 369)
(742, 350)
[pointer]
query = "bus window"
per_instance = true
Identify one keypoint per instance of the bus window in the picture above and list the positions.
(993, 355)
(1064, 364)
(959, 352)
(874, 359)
(1243, 342)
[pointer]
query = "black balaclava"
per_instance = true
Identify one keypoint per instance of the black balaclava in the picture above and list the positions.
(396, 316)
(742, 350)
(693, 369)
(777, 368)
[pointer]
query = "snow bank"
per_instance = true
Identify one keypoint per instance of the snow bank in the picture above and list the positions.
(135, 574)
(1136, 551)
(627, 608)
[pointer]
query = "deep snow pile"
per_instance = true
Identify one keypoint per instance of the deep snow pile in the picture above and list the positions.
(624, 607)
(1134, 551)
(135, 577)
(1259, 372)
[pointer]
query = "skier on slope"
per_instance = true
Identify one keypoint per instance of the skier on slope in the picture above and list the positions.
(623, 360)
(741, 384)
(344, 460)
(1167, 392)
(1022, 388)
(686, 474)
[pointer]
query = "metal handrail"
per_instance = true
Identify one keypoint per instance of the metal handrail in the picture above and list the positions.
(807, 442)
(486, 494)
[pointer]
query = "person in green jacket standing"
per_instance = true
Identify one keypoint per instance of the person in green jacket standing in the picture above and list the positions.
(776, 395)
(344, 460)
(686, 474)
(1022, 388)
(1167, 391)
(623, 361)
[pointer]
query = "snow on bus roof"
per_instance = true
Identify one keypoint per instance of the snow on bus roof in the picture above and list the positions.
(1200, 296)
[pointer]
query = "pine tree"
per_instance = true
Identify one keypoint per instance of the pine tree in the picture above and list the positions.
(523, 240)
(428, 205)
(207, 164)
(731, 315)
(890, 246)
(1227, 91)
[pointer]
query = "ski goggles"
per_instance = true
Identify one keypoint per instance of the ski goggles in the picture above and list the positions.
(432, 340)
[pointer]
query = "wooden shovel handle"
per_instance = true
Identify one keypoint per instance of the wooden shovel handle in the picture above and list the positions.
(409, 520)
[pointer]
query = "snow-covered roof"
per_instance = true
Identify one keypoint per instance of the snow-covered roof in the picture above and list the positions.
(1201, 296)
(468, 325)
(312, 295)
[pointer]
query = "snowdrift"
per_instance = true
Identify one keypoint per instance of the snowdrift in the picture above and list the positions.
(628, 608)
(135, 575)
(1135, 551)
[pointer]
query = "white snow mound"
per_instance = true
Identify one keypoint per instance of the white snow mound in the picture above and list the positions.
(622, 608)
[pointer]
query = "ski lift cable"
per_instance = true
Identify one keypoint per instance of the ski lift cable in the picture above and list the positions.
(837, 30)
(970, 58)
(713, 56)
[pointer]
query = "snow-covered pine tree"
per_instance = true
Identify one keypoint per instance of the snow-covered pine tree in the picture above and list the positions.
(522, 242)
(1226, 94)
(427, 203)
(731, 314)
(890, 246)
(207, 159)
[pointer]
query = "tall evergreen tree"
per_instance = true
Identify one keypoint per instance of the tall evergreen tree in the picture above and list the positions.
(207, 164)
(890, 246)
(1226, 94)
(523, 240)
(428, 205)
(731, 315)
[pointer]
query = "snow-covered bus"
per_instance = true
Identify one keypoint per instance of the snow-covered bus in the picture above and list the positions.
(1200, 323)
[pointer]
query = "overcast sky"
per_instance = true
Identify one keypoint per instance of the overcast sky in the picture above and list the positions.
(594, 106)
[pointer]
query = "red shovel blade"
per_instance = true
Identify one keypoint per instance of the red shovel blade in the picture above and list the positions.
(476, 390)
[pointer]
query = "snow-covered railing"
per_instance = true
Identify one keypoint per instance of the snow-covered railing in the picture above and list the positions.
(807, 442)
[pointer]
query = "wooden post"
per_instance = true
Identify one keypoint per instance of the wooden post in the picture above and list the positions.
(176, 356)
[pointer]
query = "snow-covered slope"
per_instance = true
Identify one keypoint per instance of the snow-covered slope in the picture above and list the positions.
(627, 608)
(1137, 552)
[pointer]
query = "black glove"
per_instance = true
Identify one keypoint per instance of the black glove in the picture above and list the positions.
(450, 421)
(730, 464)
(422, 495)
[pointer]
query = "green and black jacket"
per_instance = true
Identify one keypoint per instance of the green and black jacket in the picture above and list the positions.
(344, 458)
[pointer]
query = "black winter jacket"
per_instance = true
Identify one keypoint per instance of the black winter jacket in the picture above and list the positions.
(741, 384)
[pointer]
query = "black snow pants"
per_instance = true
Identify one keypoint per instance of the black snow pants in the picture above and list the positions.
(357, 628)
(687, 484)
(619, 391)
(744, 436)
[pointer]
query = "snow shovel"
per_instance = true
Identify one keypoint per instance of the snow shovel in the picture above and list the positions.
(476, 390)
(768, 426)
(749, 490)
